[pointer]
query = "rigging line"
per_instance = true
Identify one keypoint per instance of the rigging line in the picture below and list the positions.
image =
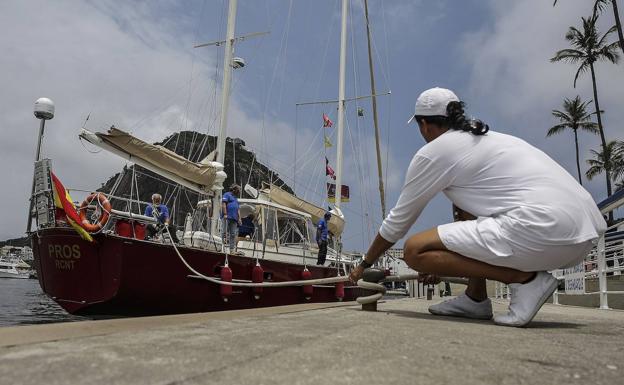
(313, 156)
(359, 173)
(325, 53)
(356, 153)
(383, 16)
(158, 110)
(388, 141)
(377, 52)
(295, 160)
(283, 64)
(273, 77)
(253, 160)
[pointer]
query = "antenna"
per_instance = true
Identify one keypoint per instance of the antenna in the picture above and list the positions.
(44, 110)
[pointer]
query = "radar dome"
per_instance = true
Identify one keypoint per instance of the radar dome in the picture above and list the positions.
(44, 109)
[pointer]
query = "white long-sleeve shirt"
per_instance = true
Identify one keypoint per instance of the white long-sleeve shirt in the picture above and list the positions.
(497, 175)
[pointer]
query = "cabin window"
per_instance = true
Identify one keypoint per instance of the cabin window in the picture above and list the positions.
(292, 228)
(271, 231)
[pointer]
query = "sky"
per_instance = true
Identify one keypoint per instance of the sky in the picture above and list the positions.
(133, 65)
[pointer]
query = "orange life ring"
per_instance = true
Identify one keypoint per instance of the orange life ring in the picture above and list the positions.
(104, 214)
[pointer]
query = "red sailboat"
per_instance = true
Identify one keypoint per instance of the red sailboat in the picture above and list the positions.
(113, 270)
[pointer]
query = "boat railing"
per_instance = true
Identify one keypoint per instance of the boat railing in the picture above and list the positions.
(605, 263)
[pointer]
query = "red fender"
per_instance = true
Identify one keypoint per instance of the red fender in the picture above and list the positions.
(307, 289)
(226, 290)
(257, 276)
(340, 290)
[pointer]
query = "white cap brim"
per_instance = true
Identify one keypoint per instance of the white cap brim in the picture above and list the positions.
(411, 119)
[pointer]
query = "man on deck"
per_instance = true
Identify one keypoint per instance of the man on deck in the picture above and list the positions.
(231, 216)
(321, 238)
(160, 212)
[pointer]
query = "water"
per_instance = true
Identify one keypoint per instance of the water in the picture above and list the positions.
(22, 302)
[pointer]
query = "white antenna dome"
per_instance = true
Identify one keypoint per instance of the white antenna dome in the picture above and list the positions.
(44, 109)
(238, 62)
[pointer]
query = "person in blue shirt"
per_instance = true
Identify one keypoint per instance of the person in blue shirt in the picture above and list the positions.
(160, 212)
(230, 215)
(247, 226)
(321, 238)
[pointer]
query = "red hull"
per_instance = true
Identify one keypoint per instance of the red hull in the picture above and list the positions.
(127, 277)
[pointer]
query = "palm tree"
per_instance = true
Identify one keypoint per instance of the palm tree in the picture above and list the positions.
(618, 162)
(575, 117)
(613, 160)
(599, 6)
(588, 48)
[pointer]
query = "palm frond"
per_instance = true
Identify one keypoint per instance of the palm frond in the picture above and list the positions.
(569, 55)
(557, 129)
(589, 127)
(599, 6)
(581, 70)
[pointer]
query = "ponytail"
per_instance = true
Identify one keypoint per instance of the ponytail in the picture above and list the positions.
(457, 120)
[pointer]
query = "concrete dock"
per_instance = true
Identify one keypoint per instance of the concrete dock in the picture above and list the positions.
(320, 344)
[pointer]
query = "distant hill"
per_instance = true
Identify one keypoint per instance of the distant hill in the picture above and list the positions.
(194, 146)
(18, 242)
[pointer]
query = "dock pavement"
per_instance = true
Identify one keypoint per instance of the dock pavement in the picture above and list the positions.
(318, 344)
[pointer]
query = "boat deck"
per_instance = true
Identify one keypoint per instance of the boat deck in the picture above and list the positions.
(319, 343)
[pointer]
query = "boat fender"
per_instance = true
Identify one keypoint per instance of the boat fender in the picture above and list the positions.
(340, 291)
(307, 289)
(257, 276)
(226, 290)
(104, 214)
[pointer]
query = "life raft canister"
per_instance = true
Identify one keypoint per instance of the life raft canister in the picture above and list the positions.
(307, 289)
(226, 290)
(104, 213)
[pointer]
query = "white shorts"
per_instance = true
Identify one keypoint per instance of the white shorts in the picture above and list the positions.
(483, 240)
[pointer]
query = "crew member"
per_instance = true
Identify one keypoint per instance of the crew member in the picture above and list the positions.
(160, 212)
(321, 238)
(531, 215)
(230, 215)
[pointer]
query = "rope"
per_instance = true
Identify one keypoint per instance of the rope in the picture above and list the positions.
(319, 281)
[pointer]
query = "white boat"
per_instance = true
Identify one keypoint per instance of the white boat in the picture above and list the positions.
(14, 267)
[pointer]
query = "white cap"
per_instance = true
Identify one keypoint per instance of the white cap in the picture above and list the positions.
(433, 102)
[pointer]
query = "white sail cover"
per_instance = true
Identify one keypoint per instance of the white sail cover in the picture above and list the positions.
(207, 175)
(279, 196)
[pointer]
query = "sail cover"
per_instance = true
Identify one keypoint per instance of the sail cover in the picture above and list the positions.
(208, 175)
(279, 196)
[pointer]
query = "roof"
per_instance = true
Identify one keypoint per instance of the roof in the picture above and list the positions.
(613, 202)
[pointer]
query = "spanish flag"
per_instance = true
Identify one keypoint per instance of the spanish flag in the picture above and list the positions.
(63, 201)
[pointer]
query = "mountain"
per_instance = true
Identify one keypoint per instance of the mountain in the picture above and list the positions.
(239, 162)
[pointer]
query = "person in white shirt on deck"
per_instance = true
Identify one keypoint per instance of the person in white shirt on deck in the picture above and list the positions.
(531, 215)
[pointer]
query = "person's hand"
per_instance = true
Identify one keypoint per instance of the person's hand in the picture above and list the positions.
(240, 222)
(428, 279)
(356, 274)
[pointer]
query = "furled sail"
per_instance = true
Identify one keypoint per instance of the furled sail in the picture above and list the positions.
(279, 196)
(202, 177)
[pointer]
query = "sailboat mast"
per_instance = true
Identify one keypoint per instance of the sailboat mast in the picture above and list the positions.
(225, 102)
(341, 102)
(382, 194)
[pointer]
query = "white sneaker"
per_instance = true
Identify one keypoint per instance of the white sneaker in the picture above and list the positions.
(463, 306)
(527, 299)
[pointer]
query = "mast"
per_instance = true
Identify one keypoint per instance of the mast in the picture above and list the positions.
(225, 101)
(382, 194)
(341, 103)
